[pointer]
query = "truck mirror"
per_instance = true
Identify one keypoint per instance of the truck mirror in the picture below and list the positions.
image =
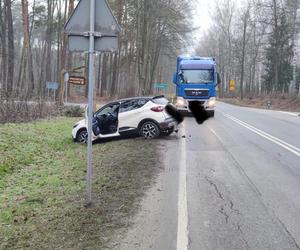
(175, 78)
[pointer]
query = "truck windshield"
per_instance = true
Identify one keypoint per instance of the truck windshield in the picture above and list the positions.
(197, 76)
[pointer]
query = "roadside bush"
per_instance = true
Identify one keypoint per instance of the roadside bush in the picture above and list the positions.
(75, 111)
(25, 111)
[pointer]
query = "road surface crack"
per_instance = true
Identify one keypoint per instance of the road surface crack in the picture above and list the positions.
(227, 203)
(215, 187)
(223, 212)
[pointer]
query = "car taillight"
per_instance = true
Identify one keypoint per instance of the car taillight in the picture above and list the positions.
(157, 109)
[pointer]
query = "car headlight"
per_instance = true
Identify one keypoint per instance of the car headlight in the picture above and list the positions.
(180, 101)
(212, 102)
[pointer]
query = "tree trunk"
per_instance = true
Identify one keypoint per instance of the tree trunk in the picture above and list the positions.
(27, 48)
(104, 75)
(10, 40)
(3, 46)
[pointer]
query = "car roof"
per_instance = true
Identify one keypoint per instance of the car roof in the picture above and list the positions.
(148, 98)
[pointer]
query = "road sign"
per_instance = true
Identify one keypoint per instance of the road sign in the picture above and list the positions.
(106, 27)
(66, 79)
(160, 85)
(77, 80)
(52, 85)
(232, 85)
(92, 27)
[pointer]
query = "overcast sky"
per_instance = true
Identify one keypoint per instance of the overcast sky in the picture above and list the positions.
(202, 15)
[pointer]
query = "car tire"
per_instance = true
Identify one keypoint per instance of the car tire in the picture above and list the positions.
(149, 130)
(82, 136)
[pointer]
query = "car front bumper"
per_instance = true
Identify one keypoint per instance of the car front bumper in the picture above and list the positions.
(74, 133)
(185, 109)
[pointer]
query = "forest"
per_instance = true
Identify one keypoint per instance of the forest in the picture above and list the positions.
(255, 43)
(34, 48)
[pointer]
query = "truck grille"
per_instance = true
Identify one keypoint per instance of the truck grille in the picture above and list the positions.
(196, 92)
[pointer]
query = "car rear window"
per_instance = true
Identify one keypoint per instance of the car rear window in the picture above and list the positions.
(160, 101)
(132, 104)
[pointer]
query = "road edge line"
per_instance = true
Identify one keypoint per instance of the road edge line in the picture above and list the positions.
(182, 217)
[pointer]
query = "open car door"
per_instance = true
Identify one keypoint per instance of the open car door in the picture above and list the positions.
(106, 121)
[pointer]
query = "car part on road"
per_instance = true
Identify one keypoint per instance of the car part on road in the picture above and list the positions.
(168, 131)
(82, 136)
(149, 130)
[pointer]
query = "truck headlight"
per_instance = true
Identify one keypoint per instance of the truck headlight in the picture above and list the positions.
(180, 101)
(212, 102)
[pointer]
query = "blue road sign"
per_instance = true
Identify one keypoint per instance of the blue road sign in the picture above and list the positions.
(52, 85)
(160, 85)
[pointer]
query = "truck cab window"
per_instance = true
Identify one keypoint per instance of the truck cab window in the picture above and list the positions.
(197, 76)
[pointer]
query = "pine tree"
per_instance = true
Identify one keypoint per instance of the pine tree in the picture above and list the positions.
(279, 54)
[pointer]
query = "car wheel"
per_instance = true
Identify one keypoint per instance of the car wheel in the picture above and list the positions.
(82, 136)
(149, 130)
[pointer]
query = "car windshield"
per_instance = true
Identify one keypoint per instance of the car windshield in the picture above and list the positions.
(197, 76)
(109, 109)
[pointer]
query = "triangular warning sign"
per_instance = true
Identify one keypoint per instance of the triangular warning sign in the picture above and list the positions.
(105, 22)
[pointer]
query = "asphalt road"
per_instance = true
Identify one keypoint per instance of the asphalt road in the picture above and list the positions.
(232, 183)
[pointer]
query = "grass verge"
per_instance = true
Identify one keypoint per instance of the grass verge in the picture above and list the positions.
(42, 186)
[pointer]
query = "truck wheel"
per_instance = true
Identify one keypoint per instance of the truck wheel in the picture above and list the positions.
(211, 113)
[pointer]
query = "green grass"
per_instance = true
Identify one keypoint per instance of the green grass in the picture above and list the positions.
(42, 186)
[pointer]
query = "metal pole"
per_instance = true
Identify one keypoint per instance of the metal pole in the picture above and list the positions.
(90, 105)
(66, 82)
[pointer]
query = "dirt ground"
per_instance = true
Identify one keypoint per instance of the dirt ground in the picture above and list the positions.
(282, 103)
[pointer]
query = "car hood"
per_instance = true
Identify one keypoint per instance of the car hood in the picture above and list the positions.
(81, 122)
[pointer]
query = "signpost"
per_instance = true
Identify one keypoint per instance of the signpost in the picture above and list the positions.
(160, 85)
(77, 80)
(66, 79)
(92, 27)
(52, 86)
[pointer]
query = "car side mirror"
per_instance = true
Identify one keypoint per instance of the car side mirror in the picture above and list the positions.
(175, 78)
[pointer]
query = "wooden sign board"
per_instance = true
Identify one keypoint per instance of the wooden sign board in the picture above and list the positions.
(77, 80)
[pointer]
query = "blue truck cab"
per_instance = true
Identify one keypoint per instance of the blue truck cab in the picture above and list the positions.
(196, 79)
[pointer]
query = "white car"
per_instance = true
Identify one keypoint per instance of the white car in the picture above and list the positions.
(145, 116)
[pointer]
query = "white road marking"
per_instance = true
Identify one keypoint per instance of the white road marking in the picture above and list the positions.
(182, 219)
(293, 149)
(289, 113)
(215, 133)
